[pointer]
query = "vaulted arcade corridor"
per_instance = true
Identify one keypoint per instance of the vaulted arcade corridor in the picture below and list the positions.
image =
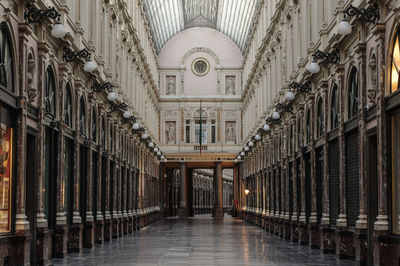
(199, 132)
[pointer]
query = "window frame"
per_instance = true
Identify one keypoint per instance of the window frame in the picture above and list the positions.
(5, 45)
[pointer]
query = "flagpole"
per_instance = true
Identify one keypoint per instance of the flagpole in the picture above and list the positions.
(201, 133)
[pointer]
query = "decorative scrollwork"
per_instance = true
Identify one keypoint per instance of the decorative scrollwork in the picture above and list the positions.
(138, 131)
(332, 57)
(34, 15)
(102, 86)
(270, 120)
(370, 14)
(71, 56)
(306, 88)
(127, 120)
(285, 107)
(118, 107)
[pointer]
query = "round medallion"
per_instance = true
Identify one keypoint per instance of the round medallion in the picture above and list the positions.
(200, 66)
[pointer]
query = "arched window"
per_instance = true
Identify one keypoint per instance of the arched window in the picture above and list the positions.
(308, 126)
(103, 132)
(82, 115)
(94, 124)
(68, 107)
(50, 92)
(110, 137)
(334, 108)
(352, 99)
(320, 118)
(291, 138)
(6, 60)
(299, 132)
(395, 65)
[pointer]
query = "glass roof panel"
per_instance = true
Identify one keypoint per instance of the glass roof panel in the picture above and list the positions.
(235, 18)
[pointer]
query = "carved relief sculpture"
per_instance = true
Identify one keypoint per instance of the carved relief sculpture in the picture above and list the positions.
(372, 91)
(170, 132)
(31, 79)
(171, 85)
(230, 82)
(230, 133)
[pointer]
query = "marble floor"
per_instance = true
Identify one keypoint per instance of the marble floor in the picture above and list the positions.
(200, 241)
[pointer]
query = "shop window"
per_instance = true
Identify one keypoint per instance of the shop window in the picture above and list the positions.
(396, 171)
(352, 99)
(213, 131)
(50, 92)
(68, 107)
(395, 65)
(6, 60)
(334, 108)
(6, 167)
(320, 118)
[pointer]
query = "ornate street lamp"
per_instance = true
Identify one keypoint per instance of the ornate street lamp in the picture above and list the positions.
(102, 86)
(72, 56)
(283, 107)
(305, 88)
(370, 14)
(331, 58)
(34, 15)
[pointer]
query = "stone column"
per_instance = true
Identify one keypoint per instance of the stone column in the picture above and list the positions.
(219, 210)
(183, 207)
(99, 232)
(107, 195)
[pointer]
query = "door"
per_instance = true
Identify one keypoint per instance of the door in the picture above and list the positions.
(31, 202)
(307, 184)
(318, 181)
(51, 179)
(372, 198)
(82, 183)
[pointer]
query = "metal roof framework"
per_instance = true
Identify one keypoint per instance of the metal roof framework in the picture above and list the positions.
(235, 18)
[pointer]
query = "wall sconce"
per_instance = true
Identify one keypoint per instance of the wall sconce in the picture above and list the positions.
(34, 15)
(53, 122)
(72, 56)
(135, 126)
(101, 86)
(159, 153)
(85, 139)
(266, 128)
(251, 144)
(246, 148)
(331, 58)
(156, 149)
(246, 192)
(239, 157)
(117, 106)
(128, 117)
(257, 137)
(284, 107)
(111, 96)
(242, 153)
(305, 88)
(274, 119)
(137, 131)
(370, 14)
(236, 161)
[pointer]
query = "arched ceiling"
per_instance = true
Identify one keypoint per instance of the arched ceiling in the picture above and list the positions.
(235, 18)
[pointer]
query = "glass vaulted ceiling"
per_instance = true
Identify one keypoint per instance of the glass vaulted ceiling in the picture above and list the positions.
(234, 18)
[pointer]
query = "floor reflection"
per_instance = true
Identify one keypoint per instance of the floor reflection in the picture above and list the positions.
(200, 241)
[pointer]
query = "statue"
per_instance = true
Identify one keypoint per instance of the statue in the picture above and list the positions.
(230, 134)
(170, 133)
(230, 85)
(170, 85)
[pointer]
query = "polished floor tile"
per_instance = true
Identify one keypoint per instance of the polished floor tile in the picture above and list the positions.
(200, 242)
